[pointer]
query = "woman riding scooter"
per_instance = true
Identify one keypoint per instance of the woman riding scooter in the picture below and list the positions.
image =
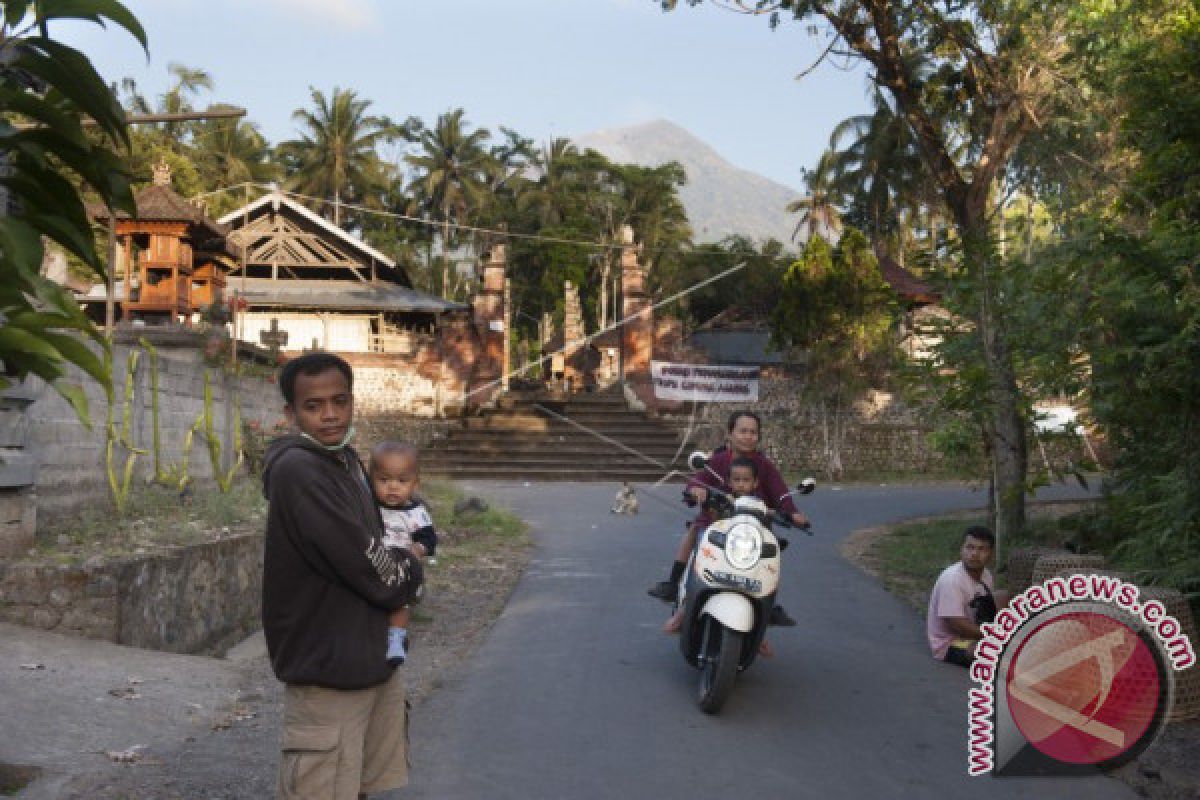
(744, 429)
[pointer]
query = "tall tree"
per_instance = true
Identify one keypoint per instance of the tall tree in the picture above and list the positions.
(336, 157)
(878, 169)
(452, 166)
(548, 194)
(818, 209)
(188, 82)
(232, 151)
(978, 73)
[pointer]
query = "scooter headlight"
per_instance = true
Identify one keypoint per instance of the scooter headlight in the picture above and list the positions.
(743, 546)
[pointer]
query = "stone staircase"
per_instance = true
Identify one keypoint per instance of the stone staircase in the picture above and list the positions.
(536, 437)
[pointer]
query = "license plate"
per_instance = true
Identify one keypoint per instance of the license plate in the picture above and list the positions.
(751, 585)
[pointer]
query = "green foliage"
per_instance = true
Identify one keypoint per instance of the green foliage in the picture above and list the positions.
(835, 305)
(1120, 285)
(957, 440)
(584, 197)
(46, 91)
(818, 210)
(755, 288)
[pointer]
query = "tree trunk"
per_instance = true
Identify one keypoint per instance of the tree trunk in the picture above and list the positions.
(604, 294)
(445, 256)
(1005, 425)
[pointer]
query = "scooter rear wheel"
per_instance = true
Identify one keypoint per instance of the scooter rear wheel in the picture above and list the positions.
(721, 653)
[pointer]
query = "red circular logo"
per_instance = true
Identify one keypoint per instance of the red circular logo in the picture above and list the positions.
(1084, 688)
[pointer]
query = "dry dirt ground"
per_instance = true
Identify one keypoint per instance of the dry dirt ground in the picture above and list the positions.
(1169, 770)
(233, 755)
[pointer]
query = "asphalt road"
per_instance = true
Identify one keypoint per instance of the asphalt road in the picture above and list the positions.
(576, 694)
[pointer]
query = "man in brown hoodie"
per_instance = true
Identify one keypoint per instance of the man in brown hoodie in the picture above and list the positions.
(328, 587)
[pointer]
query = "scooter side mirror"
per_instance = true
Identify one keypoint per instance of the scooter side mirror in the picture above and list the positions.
(697, 461)
(806, 486)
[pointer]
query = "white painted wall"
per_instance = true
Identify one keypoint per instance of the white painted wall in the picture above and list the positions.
(345, 333)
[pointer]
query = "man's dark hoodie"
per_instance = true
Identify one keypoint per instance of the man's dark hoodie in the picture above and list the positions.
(328, 581)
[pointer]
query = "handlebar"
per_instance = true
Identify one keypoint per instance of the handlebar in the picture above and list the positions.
(719, 500)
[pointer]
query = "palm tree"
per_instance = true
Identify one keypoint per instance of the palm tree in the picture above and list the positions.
(879, 170)
(189, 81)
(548, 194)
(653, 207)
(232, 151)
(818, 210)
(335, 157)
(452, 169)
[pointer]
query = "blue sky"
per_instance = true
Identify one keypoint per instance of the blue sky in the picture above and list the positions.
(543, 67)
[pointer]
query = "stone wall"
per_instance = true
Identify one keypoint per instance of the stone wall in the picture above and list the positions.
(882, 436)
(195, 599)
(374, 427)
(70, 458)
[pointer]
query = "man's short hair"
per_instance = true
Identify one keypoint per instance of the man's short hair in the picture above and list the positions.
(743, 461)
(311, 364)
(980, 533)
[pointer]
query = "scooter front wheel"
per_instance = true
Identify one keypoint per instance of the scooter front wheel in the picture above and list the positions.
(721, 651)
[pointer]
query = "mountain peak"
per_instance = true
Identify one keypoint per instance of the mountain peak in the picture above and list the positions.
(721, 199)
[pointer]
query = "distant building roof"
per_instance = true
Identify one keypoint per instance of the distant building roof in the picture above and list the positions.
(739, 318)
(737, 346)
(908, 286)
(160, 203)
(339, 296)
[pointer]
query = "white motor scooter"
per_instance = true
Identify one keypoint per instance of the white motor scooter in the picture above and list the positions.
(729, 589)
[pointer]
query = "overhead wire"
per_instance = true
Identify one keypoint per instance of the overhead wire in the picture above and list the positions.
(458, 226)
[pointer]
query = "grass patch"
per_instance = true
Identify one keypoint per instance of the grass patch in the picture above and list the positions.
(157, 517)
(470, 534)
(909, 557)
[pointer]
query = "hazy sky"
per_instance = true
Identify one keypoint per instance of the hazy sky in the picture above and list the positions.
(544, 67)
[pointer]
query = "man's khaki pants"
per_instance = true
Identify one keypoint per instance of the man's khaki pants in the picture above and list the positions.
(340, 743)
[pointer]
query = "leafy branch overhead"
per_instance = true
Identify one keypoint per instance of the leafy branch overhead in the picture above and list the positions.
(47, 92)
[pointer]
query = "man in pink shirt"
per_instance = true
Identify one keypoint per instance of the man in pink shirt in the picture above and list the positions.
(962, 600)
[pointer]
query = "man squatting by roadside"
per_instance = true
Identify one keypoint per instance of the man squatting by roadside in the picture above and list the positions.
(329, 585)
(964, 598)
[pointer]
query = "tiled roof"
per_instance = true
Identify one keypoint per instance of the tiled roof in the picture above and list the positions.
(748, 317)
(904, 283)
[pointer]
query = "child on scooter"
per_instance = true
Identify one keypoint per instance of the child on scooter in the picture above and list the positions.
(395, 478)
